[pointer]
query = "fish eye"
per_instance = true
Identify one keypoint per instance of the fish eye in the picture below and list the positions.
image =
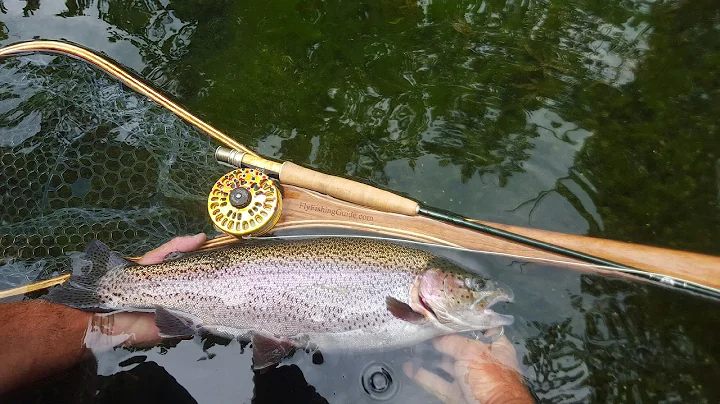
(474, 284)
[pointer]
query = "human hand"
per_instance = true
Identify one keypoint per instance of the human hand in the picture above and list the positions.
(482, 373)
(39, 338)
(108, 330)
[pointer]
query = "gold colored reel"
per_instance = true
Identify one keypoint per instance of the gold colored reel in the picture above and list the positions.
(243, 202)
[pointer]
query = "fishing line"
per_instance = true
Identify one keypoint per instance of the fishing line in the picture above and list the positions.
(480, 336)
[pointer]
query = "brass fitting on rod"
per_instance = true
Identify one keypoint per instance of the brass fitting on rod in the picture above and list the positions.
(237, 158)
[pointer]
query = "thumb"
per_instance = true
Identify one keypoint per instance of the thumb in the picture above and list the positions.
(178, 244)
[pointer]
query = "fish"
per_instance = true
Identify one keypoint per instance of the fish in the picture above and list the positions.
(325, 293)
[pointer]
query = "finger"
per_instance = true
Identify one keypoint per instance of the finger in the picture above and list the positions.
(431, 382)
(181, 244)
(458, 346)
(463, 349)
(448, 365)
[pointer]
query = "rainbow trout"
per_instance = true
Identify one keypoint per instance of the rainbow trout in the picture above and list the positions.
(323, 293)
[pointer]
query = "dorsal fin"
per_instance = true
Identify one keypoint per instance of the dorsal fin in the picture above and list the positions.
(175, 255)
(81, 290)
(103, 259)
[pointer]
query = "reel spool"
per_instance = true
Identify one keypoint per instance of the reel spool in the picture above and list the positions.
(244, 202)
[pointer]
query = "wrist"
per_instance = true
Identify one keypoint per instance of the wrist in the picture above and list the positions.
(107, 331)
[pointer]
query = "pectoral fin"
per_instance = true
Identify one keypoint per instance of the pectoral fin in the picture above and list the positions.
(403, 311)
(269, 350)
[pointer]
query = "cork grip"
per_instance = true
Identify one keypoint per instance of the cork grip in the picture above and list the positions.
(347, 190)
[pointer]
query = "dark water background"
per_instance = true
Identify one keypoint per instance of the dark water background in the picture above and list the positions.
(585, 117)
(579, 116)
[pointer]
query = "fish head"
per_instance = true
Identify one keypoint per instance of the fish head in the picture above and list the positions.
(459, 299)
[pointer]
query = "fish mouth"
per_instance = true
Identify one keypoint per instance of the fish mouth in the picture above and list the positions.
(499, 319)
(493, 302)
(500, 299)
(506, 295)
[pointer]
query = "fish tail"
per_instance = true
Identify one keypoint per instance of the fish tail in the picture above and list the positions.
(81, 291)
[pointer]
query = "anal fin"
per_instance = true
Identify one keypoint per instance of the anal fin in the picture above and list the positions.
(269, 350)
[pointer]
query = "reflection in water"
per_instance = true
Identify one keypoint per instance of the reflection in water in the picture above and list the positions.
(3, 27)
(156, 33)
(30, 7)
(627, 336)
(148, 382)
(553, 359)
(636, 341)
(76, 8)
(651, 160)
(294, 387)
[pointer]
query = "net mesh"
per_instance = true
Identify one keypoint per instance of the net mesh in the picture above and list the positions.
(84, 157)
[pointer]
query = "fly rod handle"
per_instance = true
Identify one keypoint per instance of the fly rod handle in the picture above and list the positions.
(347, 190)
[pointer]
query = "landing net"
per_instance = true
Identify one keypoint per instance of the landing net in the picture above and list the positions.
(83, 157)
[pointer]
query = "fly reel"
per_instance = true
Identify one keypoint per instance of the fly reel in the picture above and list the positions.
(244, 202)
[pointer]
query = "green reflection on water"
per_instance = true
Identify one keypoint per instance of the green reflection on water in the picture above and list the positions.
(571, 116)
